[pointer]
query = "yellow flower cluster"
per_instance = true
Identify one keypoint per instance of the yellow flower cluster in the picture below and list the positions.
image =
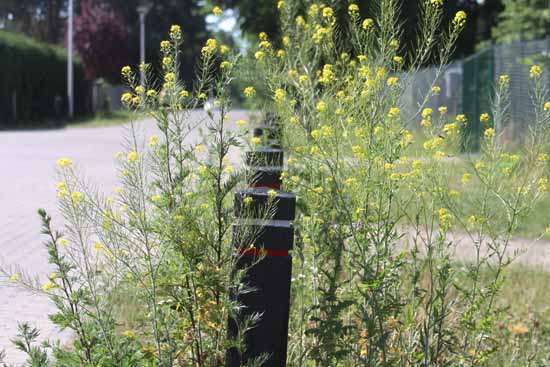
(126, 72)
(327, 75)
(426, 117)
(547, 106)
(433, 144)
(175, 32)
(217, 11)
(367, 24)
(210, 47)
(320, 34)
(535, 72)
(249, 91)
(353, 9)
(394, 112)
(451, 129)
(392, 81)
(504, 80)
(436, 3)
(444, 218)
(489, 133)
(459, 20)
(132, 156)
(484, 117)
(64, 162)
(280, 96)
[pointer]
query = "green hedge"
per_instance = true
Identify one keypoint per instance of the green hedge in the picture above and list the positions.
(37, 72)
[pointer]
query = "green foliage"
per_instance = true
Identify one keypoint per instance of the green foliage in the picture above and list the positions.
(37, 73)
(523, 20)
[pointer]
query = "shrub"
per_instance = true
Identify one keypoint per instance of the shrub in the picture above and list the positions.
(376, 282)
(37, 72)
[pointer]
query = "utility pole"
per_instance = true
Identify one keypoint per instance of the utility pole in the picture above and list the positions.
(70, 67)
(142, 10)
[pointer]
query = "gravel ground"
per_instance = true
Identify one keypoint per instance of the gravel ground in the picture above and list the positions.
(27, 182)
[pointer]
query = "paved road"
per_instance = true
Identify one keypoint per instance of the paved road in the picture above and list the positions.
(27, 182)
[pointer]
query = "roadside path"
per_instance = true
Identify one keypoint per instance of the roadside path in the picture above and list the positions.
(27, 182)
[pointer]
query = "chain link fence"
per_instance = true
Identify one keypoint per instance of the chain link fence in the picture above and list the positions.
(468, 85)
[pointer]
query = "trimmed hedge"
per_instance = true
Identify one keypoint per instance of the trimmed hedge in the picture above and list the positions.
(37, 72)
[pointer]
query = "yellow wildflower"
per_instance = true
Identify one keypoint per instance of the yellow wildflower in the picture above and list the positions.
(328, 12)
(427, 112)
(132, 156)
(175, 32)
(225, 65)
(484, 117)
(367, 24)
(256, 140)
(14, 277)
(98, 246)
(461, 118)
(489, 133)
(126, 71)
(126, 98)
(153, 140)
(48, 286)
(280, 4)
(398, 59)
(140, 89)
(321, 106)
(504, 80)
(436, 89)
(217, 11)
(547, 106)
(392, 81)
(184, 94)
(394, 112)
(460, 19)
(259, 55)
(209, 47)
(77, 197)
(280, 95)
(224, 49)
(535, 71)
(353, 9)
(318, 190)
(443, 110)
(249, 91)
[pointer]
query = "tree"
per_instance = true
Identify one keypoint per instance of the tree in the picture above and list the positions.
(40, 19)
(188, 14)
(523, 20)
(101, 39)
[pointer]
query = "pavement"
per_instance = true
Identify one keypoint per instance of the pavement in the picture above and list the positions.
(27, 182)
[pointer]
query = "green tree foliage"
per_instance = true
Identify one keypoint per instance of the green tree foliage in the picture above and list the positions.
(34, 74)
(40, 19)
(523, 20)
(46, 21)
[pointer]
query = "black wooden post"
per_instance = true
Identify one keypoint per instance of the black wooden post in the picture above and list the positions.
(268, 262)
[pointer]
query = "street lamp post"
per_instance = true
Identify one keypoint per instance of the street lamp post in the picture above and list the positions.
(70, 71)
(142, 10)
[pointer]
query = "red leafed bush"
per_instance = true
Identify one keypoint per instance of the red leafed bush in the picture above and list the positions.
(101, 39)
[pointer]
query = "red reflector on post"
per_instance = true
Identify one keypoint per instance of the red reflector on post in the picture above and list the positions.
(261, 252)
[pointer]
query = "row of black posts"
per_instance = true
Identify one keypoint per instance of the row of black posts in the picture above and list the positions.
(268, 263)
